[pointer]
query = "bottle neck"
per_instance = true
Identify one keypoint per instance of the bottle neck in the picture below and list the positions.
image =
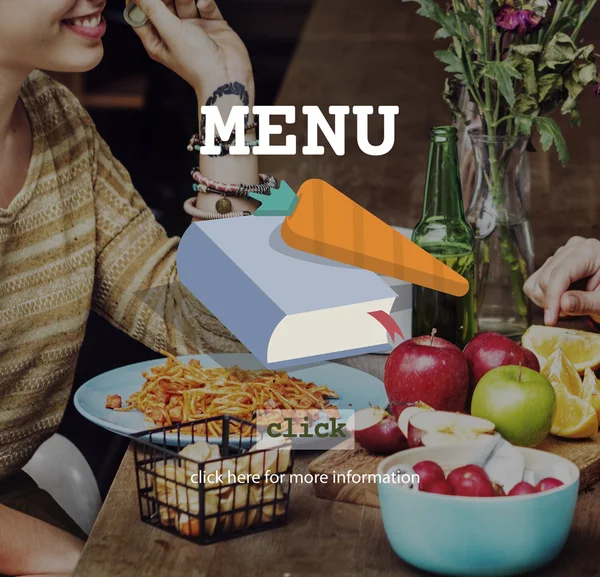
(443, 193)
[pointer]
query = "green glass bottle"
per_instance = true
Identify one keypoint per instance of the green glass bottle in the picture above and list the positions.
(444, 232)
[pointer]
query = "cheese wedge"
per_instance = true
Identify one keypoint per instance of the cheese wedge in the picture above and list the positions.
(329, 224)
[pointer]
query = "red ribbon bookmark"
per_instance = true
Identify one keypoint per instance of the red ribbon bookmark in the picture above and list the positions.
(388, 323)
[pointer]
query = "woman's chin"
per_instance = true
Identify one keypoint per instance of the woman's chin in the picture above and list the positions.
(84, 61)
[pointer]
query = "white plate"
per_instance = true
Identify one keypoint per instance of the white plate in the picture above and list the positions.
(357, 390)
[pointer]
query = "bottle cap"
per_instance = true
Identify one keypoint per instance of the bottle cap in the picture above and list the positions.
(134, 15)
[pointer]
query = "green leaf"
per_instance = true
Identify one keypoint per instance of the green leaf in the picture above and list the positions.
(586, 51)
(524, 125)
(560, 51)
(588, 74)
(503, 73)
(441, 33)
(525, 105)
(471, 17)
(432, 10)
(453, 62)
(527, 69)
(550, 134)
(575, 118)
(574, 88)
(527, 49)
(568, 105)
(549, 84)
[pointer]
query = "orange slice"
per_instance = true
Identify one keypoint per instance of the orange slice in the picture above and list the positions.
(574, 417)
(329, 224)
(582, 348)
(591, 390)
(559, 369)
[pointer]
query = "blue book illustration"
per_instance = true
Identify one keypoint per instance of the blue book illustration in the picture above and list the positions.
(286, 306)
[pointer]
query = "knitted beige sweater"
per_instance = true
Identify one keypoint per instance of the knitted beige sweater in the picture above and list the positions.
(79, 236)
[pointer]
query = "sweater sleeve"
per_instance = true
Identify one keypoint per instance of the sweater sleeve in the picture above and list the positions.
(136, 283)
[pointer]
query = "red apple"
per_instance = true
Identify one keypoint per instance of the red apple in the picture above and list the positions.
(439, 486)
(471, 481)
(426, 369)
(428, 471)
(547, 484)
(486, 351)
(376, 431)
(441, 428)
(522, 488)
(407, 412)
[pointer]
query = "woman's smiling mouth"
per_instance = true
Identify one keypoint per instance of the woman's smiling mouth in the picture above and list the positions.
(90, 26)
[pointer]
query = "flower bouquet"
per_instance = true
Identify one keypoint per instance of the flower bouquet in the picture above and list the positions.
(518, 63)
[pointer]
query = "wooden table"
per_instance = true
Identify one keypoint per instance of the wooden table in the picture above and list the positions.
(321, 539)
(376, 52)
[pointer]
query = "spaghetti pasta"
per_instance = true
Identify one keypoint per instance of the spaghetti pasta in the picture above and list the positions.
(176, 392)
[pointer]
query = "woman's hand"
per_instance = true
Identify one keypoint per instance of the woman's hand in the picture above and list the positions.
(192, 39)
(549, 286)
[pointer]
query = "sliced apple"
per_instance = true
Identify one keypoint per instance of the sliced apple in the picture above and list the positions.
(409, 411)
(376, 431)
(441, 428)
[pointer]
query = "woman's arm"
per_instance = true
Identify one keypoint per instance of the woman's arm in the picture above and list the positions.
(32, 547)
(136, 283)
(137, 287)
(192, 39)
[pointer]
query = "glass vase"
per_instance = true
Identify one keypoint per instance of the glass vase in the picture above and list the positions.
(504, 256)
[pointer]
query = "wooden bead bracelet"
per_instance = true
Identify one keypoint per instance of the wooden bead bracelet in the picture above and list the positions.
(190, 208)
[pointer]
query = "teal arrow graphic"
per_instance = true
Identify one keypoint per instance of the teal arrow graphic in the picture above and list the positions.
(281, 202)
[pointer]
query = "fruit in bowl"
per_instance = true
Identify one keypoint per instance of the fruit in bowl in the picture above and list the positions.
(477, 536)
(519, 401)
(429, 370)
(473, 481)
(429, 473)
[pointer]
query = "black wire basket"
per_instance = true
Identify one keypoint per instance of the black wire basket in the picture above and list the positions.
(211, 489)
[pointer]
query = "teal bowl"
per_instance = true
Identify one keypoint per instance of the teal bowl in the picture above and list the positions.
(452, 535)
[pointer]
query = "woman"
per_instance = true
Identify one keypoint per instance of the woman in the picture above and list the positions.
(75, 234)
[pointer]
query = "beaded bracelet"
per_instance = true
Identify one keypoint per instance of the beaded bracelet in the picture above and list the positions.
(267, 182)
(190, 207)
(223, 206)
(210, 190)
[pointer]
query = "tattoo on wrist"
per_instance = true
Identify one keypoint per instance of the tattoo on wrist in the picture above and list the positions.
(229, 89)
(235, 88)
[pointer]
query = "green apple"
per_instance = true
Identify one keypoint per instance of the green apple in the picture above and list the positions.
(519, 401)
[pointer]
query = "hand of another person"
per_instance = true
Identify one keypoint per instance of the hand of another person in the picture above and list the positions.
(549, 287)
(192, 39)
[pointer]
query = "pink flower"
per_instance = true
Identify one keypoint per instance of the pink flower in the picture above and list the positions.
(597, 90)
(523, 21)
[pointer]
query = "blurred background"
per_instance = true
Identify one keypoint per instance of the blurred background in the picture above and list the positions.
(307, 52)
